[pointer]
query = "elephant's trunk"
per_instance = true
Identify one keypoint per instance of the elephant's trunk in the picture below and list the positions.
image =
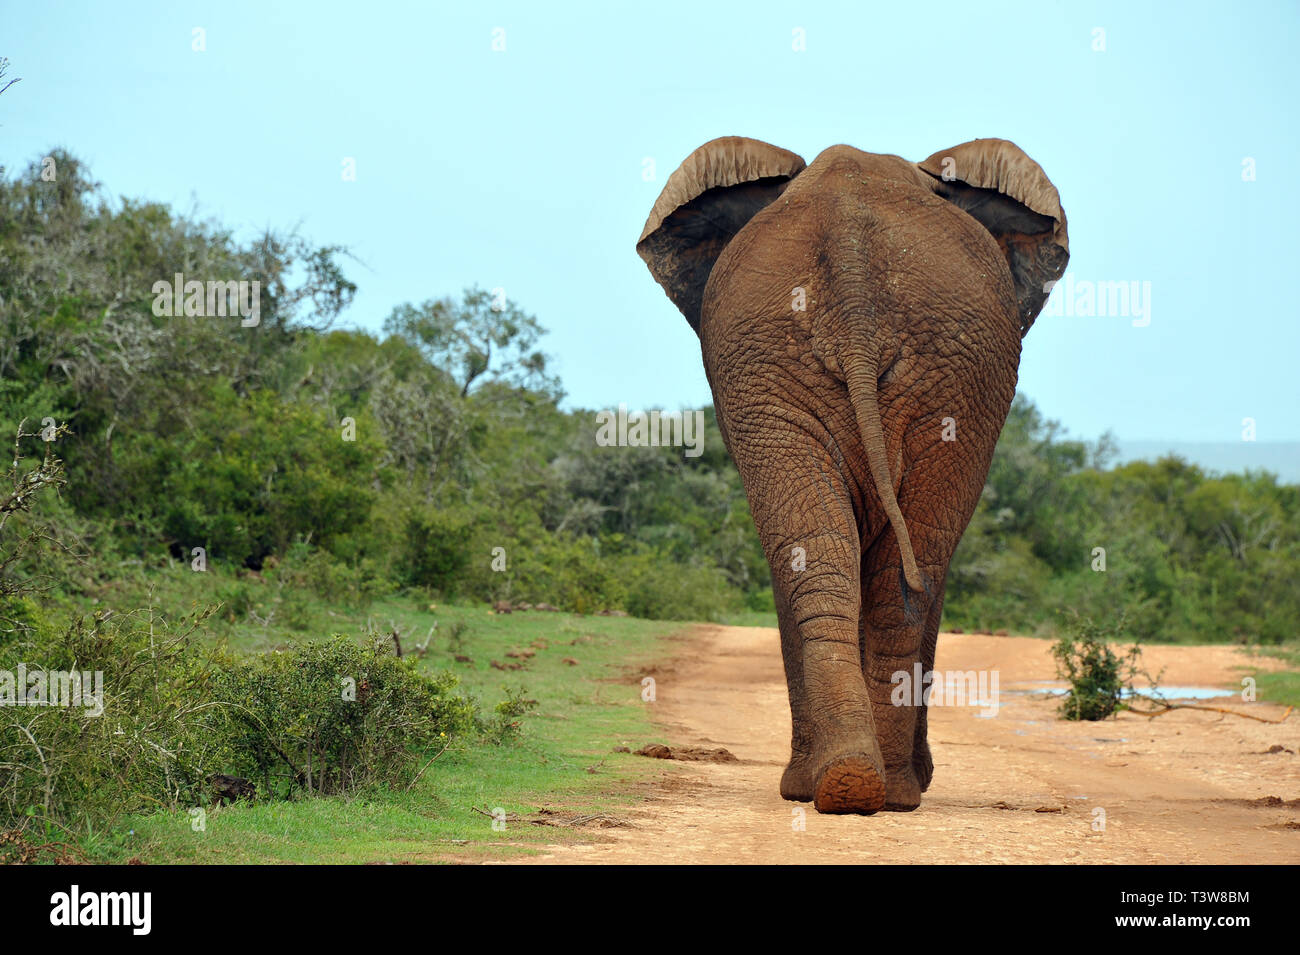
(860, 376)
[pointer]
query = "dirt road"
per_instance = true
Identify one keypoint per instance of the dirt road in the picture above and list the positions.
(1021, 786)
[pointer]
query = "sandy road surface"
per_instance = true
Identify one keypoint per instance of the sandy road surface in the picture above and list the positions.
(1186, 787)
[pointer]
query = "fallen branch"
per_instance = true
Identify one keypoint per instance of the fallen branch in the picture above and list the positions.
(1209, 709)
(508, 817)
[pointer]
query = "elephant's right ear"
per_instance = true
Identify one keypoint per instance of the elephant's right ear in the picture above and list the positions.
(1010, 195)
(706, 201)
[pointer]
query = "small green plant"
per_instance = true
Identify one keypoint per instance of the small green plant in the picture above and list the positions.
(295, 607)
(236, 601)
(437, 550)
(456, 636)
(316, 571)
(506, 723)
(1098, 677)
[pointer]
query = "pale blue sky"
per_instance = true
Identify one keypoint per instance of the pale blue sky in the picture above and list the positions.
(523, 168)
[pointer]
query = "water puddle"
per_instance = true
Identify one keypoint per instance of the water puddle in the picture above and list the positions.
(1163, 692)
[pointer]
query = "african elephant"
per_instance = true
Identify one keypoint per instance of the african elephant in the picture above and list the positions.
(860, 321)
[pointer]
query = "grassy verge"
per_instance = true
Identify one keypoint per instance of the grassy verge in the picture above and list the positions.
(581, 670)
(1279, 686)
(751, 618)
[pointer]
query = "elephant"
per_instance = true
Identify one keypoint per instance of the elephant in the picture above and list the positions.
(860, 321)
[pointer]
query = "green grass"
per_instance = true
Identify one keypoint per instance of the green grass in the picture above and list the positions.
(1279, 686)
(750, 618)
(564, 761)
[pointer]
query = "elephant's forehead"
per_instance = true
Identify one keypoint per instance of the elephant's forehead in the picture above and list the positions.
(847, 160)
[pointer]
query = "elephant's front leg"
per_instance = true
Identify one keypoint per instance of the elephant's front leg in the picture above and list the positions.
(805, 519)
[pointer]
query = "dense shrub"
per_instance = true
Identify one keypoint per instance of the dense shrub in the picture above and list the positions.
(568, 571)
(331, 716)
(667, 590)
(255, 475)
(316, 718)
(316, 571)
(153, 744)
(437, 549)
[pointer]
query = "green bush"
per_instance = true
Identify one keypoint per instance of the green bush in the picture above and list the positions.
(566, 570)
(316, 571)
(437, 550)
(1098, 677)
(152, 746)
(176, 713)
(236, 600)
(662, 589)
(332, 716)
(249, 476)
(569, 572)
(506, 723)
(761, 601)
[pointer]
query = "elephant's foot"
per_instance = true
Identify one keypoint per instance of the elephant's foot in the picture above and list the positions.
(798, 782)
(922, 762)
(904, 785)
(850, 783)
(902, 790)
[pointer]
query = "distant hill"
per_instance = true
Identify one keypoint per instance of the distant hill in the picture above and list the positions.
(1226, 457)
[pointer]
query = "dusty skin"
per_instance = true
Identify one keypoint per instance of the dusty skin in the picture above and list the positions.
(1186, 787)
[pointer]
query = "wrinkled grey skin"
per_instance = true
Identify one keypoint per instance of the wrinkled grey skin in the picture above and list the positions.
(915, 292)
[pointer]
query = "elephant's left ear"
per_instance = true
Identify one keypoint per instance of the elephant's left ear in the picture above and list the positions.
(706, 201)
(1010, 195)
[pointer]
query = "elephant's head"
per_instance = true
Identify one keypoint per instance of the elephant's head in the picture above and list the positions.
(712, 195)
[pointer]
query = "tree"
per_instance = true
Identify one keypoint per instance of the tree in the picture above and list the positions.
(483, 339)
(4, 68)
